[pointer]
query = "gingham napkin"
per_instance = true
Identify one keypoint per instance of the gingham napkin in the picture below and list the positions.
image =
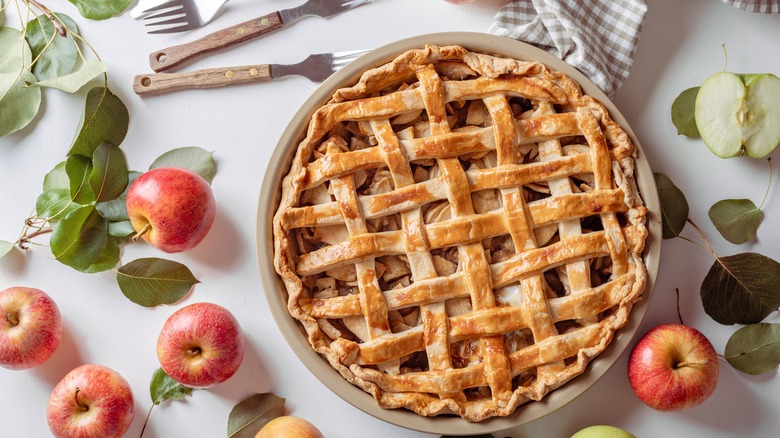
(598, 37)
(762, 6)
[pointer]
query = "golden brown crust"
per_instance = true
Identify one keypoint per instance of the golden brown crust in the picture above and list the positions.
(461, 233)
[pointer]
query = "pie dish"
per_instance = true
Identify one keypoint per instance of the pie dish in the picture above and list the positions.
(461, 233)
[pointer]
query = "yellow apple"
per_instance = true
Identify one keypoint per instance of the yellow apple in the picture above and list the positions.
(289, 426)
(602, 431)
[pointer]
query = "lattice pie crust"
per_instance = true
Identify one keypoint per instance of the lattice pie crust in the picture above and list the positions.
(461, 233)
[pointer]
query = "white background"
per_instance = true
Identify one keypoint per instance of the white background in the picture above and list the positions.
(679, 48)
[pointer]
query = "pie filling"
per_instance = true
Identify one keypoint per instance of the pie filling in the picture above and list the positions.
(461, 233)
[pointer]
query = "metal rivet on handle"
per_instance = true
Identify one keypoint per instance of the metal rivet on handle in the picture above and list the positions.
(229, 74)
(253, 72)
(264, 22)
(241, 30)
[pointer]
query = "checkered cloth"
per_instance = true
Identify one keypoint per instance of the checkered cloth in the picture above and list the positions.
(762, 6)
(598, 37)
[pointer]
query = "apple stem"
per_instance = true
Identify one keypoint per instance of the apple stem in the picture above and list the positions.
(194, 351)
(679, 315)
(143, 231)
(692, 363)
(80, 405)
(12, 318)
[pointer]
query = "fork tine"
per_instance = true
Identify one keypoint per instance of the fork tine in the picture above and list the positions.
(174, 29)
(177, 20)
(349, 53)
(349, 4)
(341, 59)
(171, 13)
(166, 5)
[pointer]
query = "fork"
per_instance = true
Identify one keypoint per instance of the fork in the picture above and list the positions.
(185, 14)
(316, 68)
(172, 56)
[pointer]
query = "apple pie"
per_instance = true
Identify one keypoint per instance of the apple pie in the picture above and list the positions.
(461, 233)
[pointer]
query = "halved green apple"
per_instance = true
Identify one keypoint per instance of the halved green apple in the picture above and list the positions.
(739, 114)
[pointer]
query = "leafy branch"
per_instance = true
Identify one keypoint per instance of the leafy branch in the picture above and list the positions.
(162, 388)
(45, 52)
(738, 289)
(82, 205)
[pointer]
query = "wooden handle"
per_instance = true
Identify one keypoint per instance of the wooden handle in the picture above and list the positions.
(158, 83)
(165, 59)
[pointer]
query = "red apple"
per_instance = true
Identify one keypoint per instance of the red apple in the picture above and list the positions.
(171, 208)
(673, 367)
(30, 327)
(200, 345)
(90, 401)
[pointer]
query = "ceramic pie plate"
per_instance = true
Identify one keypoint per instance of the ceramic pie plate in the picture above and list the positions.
(276, 293)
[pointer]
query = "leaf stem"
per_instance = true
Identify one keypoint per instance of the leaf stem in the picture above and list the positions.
(57, 25)
(768, 186)
(701, 233)
(691, 241)
(25, 238)
(146, 421)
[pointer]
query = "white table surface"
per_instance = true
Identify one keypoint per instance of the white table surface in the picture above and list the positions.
(679, 48)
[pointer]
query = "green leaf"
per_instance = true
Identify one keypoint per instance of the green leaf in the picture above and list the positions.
(5, 248)
(105, 119)
(150, 282)
(683, 115)
(121, 229)
(55, 204)
(57, 178)
(73, 82)
(163, 387)
(737, 220)
(193, 158)
(19, 102)
(78, 169)
(674, 206)
(56, 55)
(754, 349)
(15, 53)
(79, 239)
(107, 259)
(108, 178)
(116, 209)
(100, 10)
(250, 415)
(741, 289)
